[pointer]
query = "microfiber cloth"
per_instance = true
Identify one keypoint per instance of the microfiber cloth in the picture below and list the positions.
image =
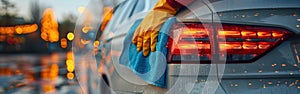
(152, 68)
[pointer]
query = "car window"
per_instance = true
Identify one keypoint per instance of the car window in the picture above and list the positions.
(125, 10)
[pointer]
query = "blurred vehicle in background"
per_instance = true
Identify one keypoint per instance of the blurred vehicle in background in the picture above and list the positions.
(245, 46)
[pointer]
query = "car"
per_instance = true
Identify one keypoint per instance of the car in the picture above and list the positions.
(214, 46)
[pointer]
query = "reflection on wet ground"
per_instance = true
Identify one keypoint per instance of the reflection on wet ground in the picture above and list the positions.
(26, 73)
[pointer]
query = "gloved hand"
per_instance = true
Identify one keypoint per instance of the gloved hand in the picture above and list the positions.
(145, 37)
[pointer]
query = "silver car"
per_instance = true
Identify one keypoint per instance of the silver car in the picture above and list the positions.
(215, 47)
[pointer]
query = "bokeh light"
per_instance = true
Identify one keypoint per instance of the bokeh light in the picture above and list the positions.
(63, 43)
(70, 36)
(80, 9)
(70, 76)
(49, 26)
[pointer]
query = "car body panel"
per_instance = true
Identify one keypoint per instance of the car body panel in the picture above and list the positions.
(235, 77)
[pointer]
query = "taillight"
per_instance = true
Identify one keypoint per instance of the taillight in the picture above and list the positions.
(190, 42)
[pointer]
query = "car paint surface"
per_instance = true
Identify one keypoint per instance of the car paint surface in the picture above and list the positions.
(278, 69)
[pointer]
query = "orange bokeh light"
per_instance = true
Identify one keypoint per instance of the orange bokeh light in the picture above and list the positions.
(86, 28)
(70, 76)
(96, 43)
(70, 55)
(19, 29)
(63, 43)
(49, 26)
(70, 65)
(53, 71)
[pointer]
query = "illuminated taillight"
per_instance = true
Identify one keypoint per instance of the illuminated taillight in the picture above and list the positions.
(190, 42)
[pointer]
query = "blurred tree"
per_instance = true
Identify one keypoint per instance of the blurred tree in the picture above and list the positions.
(9, 12)
(36, 13)
(67, 25)
(7, 7)
(36, 10)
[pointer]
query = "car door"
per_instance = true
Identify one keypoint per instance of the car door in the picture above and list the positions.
(125, 16)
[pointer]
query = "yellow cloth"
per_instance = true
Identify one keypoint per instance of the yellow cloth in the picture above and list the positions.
(145, 37)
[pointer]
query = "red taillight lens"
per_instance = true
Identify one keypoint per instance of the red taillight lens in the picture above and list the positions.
(190, 42)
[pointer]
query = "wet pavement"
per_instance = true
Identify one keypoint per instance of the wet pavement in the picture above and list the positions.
(37, 73)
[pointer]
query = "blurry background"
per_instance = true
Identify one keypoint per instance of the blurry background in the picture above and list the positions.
(35, 45)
